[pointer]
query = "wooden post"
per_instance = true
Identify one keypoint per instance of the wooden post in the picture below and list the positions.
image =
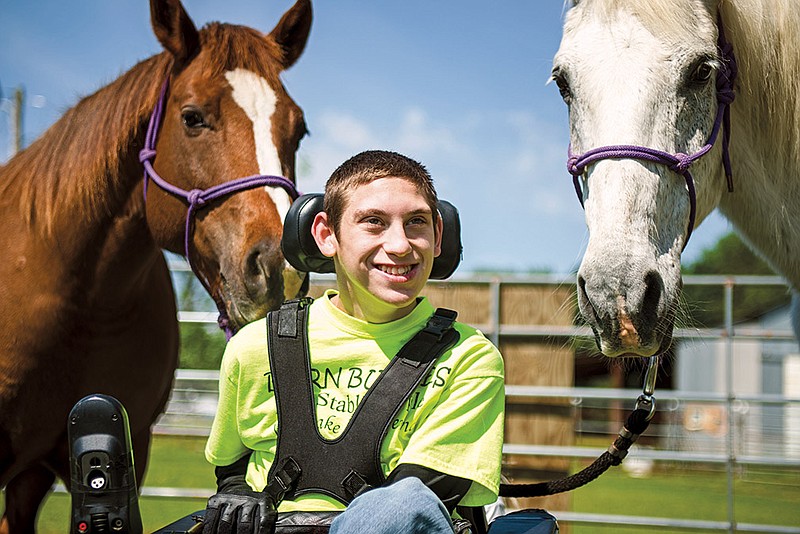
(537, 362)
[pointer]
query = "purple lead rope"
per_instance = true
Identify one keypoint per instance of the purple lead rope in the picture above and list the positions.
(198, 198)
(679, 163)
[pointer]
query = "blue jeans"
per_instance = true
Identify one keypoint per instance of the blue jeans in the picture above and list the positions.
(406, 507)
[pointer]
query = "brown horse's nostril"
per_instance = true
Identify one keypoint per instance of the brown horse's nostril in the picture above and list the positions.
(262, 276)
(256, 270)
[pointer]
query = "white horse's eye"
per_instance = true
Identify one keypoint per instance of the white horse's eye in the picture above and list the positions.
(560, 78)
(702, 72)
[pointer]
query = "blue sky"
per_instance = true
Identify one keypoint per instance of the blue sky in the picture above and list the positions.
(460, 86)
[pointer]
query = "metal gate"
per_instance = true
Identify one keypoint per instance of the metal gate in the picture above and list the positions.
(720, 426)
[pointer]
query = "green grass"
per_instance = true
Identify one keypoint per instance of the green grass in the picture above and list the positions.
(156, 512)
(179, 462)
(694, 492)
(174, 462)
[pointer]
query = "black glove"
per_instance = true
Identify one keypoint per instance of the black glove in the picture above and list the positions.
(243, 512)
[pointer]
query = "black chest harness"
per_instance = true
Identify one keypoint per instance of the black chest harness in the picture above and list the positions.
(342, 468)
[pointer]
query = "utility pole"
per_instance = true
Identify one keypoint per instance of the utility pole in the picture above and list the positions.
(17, 105)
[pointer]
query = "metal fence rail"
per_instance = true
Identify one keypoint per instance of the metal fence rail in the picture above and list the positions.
(194, 398)
(193, 401)
(192, 404)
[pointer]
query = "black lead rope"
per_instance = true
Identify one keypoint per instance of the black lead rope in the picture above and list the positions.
(637, 423)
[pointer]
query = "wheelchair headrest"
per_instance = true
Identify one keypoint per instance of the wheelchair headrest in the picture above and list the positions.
(302, 253)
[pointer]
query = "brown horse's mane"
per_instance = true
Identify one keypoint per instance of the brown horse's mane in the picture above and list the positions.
(77, 163)
(241, 46)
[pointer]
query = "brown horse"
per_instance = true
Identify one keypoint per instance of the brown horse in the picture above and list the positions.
(85, 295)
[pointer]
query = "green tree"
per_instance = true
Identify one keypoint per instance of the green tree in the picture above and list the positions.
(202, 344)
(705, 305)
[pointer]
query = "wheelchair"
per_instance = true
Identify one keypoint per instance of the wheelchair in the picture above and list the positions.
(103, 485)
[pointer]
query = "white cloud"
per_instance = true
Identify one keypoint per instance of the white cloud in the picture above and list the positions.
(345, 131)
(503, 170)
(420, 135)
(335, 136)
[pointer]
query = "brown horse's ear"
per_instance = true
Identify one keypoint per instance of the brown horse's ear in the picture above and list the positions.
(291, 33)
(174, 29)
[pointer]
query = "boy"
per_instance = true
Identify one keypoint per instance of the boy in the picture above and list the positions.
(381, 227)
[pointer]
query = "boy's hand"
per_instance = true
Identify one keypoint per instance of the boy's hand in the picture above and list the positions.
(247, 512)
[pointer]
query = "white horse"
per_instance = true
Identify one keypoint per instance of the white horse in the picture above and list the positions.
(643, 73)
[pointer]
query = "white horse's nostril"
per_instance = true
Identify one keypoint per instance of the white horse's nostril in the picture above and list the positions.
(585, 304)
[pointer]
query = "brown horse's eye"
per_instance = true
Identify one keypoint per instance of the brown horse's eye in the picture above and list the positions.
(193, 118)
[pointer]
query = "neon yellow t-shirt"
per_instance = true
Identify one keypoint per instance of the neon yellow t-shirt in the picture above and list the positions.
(453, 422)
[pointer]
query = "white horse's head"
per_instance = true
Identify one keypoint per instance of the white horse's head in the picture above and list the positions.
(633, 73)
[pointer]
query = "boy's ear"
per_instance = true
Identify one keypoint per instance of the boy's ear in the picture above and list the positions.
(438, 231)
(323, 234)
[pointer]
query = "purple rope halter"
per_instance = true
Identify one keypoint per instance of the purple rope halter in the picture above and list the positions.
(679, 163)
(199, 198)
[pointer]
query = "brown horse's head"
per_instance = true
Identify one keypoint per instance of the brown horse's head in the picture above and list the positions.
(228, 116)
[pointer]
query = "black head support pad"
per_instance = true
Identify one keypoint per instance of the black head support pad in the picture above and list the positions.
(302, 253)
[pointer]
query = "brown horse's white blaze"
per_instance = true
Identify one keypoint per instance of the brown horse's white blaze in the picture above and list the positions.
(257, 99)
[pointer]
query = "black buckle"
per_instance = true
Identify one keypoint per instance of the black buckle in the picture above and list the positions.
(354, 484)
(288, 320)
(283, 482)
(440, 322)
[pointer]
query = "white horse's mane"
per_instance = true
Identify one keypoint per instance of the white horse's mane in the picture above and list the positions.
(666, 18)
(617, 295)
(766, 38)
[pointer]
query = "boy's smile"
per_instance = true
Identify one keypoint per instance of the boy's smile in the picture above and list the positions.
(384, 249)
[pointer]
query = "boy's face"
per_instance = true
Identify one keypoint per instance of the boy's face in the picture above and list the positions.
(384, 249)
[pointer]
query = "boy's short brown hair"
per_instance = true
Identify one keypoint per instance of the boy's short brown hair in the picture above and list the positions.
(367, 167)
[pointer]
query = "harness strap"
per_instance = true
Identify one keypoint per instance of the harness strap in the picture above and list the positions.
(350, 464)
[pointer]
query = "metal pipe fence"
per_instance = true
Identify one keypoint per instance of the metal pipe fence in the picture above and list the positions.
(748, 429)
